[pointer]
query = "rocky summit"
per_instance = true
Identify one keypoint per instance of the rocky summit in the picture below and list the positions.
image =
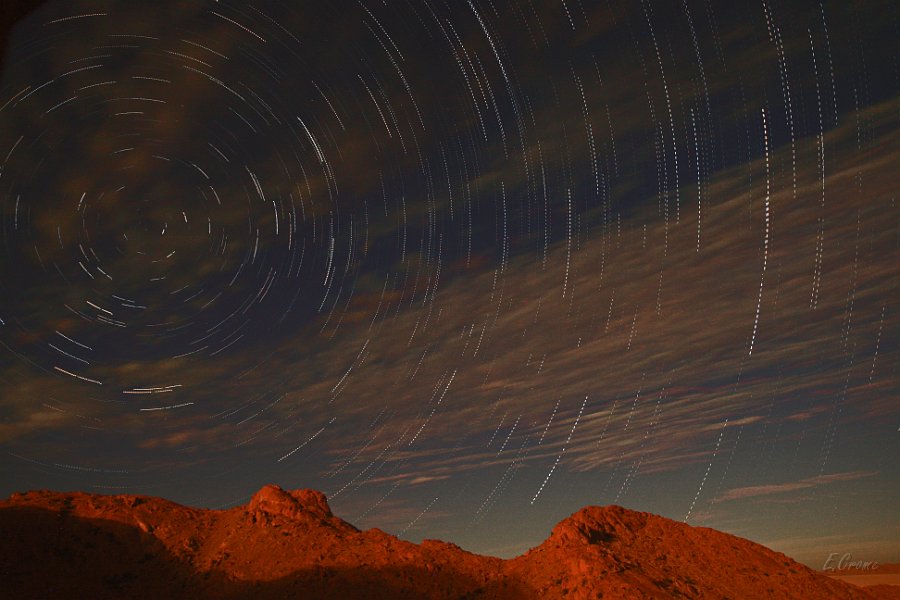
(288, 544)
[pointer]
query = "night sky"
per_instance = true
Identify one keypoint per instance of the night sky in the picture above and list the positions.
(464, 266)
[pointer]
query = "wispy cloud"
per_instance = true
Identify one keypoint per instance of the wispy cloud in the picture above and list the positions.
(791, 486)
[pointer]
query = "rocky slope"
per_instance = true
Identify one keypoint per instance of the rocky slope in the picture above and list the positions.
(288, 544)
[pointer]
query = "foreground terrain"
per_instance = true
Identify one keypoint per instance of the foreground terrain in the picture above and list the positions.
(288, 544)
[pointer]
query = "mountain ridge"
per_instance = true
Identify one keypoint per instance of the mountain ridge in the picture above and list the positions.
(288, 543)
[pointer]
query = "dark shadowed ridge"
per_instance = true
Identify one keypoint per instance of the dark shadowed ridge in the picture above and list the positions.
(286, 544)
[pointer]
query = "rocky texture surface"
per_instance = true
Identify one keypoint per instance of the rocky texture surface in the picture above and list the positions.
(288, 544)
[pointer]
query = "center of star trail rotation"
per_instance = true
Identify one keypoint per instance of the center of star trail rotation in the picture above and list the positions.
(463, 266)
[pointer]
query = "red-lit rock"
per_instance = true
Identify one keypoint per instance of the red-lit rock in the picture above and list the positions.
(288, 544)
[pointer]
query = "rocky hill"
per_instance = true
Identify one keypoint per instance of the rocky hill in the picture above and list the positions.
(288, 544)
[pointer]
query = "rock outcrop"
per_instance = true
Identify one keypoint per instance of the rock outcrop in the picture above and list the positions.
(288, 544)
